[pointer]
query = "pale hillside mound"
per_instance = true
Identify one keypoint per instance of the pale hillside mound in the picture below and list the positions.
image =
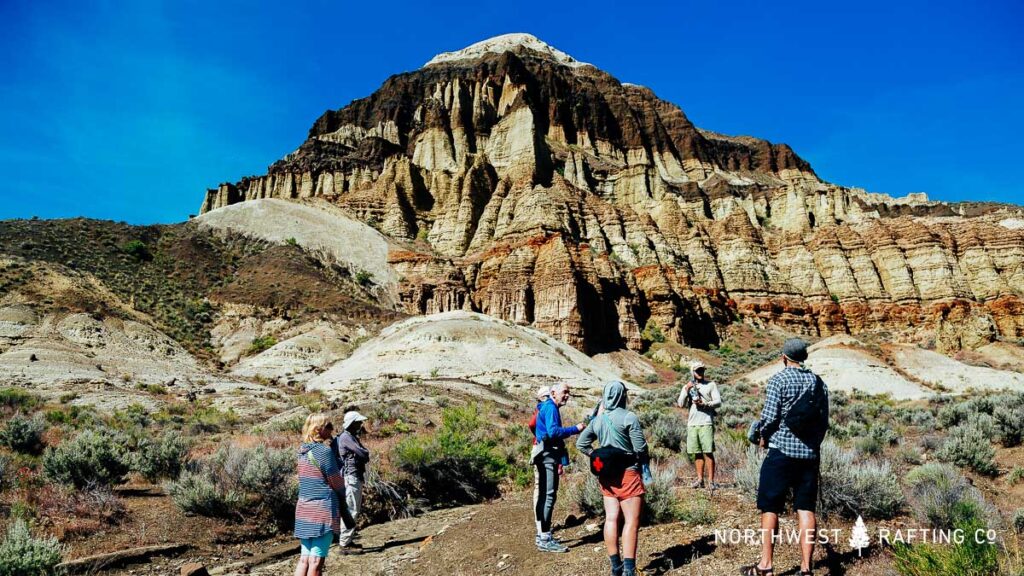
(465, 346)
(318, 227)
(947, 374)
(111, 363)
(910, 373)
(845, 365)
(1004, 355)
(298, 358)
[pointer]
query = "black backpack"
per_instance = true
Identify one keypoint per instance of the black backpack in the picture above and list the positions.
(807, 418)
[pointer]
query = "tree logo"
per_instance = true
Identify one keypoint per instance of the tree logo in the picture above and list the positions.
(859, 537)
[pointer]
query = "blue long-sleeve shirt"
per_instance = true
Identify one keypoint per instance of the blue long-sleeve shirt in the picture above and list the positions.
(549, 431)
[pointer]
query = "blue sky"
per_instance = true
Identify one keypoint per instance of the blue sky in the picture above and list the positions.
(130, 110)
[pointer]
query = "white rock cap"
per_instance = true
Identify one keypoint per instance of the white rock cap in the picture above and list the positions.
(507, 43)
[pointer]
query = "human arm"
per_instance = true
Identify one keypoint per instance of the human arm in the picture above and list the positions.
(771, 414)
(552, 420)
(586, 440)
(716, 397)
(349, 444)
(684, 396)
(636, 439)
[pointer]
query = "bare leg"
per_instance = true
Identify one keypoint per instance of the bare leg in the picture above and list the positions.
(807, 524)
(711, 467)
(631, 510)
(302, 566)
(611, 525)
(316, 566)
(769, 525)
(698, 461)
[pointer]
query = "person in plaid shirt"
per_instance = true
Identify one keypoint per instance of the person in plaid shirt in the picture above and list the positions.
(791, 463)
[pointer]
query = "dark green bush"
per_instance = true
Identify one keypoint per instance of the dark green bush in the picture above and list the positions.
(969, 447)
(261, 343)
(1018, 521)
(23, 434)
(93, 457)
(137, 249)
(23, 555)
(17, 399)
(935, 491)
(238, 483)
(457, 464)
(849, 486)
(969, 558)
(163, 458)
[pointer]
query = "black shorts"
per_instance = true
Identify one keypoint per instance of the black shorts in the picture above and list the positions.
(781, 474)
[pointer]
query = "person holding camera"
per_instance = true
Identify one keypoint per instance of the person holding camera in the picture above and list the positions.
(701, 396)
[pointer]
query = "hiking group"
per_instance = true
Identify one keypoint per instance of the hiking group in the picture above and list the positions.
(791, 427)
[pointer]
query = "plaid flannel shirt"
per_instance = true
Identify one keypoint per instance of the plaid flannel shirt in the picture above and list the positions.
(783, 390)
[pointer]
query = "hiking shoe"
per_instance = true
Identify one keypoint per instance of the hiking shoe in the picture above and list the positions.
(697, 484)
(551, 545)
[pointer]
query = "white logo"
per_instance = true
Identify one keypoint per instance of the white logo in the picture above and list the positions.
(859, 536)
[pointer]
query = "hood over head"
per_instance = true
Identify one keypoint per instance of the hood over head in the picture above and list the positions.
(614, 395)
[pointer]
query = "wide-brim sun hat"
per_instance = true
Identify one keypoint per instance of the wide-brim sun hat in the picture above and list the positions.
(351, 417)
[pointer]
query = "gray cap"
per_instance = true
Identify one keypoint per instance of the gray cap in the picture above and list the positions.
(795, 349)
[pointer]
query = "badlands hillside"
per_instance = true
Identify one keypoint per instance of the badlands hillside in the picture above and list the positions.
(503, 217)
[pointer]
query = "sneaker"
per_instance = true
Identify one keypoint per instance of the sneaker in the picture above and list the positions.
(551, 545)
(697, 484)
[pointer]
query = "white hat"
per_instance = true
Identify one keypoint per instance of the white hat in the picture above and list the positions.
(696, 365)
(352, 417)
(543, 392)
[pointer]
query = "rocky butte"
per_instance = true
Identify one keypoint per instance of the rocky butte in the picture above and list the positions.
(516, 181)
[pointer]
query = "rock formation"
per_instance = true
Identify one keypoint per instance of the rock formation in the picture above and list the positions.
(523, 184)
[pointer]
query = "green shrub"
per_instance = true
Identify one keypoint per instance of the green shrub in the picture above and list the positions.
(878, 437)
(585, 492)
(1018, 521)
(364, 278)
(969, 558)
(1010, 422)
(1016, 476)
(666, 429)
(848, 487)
(17, 399)
(261, 343)
(652, 333)
(6, 471)
(164, 458)
(935, 491)
(240, 482)
(23, 555)
(137, 249)
(92, 457)
(457, 464)
(660, 502)
(23, 434)
(967, 446)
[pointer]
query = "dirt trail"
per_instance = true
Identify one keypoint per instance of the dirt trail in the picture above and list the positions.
(497, 539)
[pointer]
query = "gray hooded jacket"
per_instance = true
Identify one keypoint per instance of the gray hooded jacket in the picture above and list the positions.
(615, 426)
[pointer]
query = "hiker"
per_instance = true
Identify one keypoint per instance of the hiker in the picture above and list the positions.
(701, 396)
(318, 512)
(793, 424)
(543, 393)
(549, 456)
(621, 439)
(353, 457)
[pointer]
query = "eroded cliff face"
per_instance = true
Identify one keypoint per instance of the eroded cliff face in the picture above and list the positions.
(541, 190)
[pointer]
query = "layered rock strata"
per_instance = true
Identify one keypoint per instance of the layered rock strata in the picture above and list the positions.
(529, 186)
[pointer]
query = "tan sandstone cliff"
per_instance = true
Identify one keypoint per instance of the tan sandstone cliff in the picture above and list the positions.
(531, 187)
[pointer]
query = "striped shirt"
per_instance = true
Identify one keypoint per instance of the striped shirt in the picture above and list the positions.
(783, 390)
(321, 490)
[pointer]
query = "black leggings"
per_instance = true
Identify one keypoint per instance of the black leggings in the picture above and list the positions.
(547, 491)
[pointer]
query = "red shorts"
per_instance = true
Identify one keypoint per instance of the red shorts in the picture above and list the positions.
(628, 485)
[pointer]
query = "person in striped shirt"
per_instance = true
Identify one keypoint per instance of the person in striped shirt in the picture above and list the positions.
(318, 512)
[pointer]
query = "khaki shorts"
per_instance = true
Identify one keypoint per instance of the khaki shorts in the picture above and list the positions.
(700, 439)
